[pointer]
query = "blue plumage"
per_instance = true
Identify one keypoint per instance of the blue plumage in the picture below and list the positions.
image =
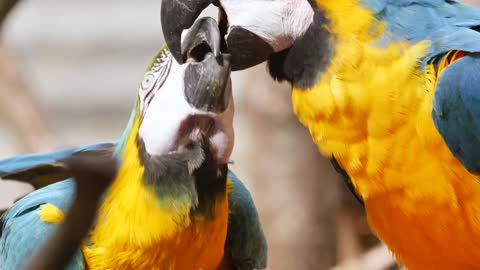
(45, 168)
(22, 162)
(22, 232)
(449, 26)
(456, 111)
(246, 241)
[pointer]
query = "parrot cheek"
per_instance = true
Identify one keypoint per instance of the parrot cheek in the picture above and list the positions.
(259, 28)
(278, 23)
(173, 115)
(163, 116)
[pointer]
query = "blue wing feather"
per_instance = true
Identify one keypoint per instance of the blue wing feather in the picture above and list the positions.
(246, 242)
(23, 232)
(18, 163)
(448, 25)
(456, 110)
(44, 168)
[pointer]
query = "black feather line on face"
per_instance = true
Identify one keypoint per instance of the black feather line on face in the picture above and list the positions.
(169, 176)
(304, 62)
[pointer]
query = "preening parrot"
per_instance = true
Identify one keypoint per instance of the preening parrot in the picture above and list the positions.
(173, 204)
(389, 89)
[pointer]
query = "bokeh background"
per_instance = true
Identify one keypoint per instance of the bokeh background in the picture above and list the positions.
(69, 72)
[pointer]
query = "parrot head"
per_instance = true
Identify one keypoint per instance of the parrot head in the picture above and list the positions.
(289, 34)
(190, 100)
(181, 129)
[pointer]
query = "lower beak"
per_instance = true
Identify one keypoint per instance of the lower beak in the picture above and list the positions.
(207, 75)
(247, 49)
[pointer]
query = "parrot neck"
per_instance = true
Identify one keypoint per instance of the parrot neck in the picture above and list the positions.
(361, 23)
(128, 194)
(330, 36)
(134, 116)
(365, 105)
(133, 223)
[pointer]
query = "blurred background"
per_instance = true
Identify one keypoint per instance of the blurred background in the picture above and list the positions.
(69, 72)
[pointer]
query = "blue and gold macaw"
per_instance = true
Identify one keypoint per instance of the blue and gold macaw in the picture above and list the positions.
(390, 90)
(173, 203)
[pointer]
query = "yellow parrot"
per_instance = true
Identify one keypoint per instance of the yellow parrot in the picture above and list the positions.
(389, 89)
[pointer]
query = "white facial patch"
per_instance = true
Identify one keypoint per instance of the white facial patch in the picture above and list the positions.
(277, 22)
(154, 79)
(164, 108)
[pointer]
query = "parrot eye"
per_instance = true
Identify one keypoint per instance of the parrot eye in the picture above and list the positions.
(154, 79)
(148, 81)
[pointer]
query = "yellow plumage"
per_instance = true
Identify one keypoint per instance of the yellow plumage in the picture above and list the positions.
(51, 214)
(134, 231)
(372, 111)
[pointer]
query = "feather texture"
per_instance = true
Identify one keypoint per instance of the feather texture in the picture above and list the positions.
(43, 169)
(372, 111)
(456, 110)
(246, 243)
(23, 230)
(150, 217)
(27, 225)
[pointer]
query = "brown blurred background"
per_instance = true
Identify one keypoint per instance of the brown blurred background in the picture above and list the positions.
(69, 72)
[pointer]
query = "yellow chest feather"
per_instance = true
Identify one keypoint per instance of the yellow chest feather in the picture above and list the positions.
(371, 110)
(135, 231)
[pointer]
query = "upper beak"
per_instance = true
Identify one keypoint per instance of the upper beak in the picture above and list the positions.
(207, 75)
(176, 16)
(246, 48)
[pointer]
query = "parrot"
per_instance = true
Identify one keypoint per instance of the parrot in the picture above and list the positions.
(174, 203)
(390, 92)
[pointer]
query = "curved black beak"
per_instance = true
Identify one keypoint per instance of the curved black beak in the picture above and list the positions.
(207, 76)
(176, 16)
(204, 32)
(246, 48)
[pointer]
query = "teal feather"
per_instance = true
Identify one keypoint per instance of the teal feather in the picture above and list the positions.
(447, 24)
(456, 111)
(22, 232)
(246, 242)
(31, 168)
